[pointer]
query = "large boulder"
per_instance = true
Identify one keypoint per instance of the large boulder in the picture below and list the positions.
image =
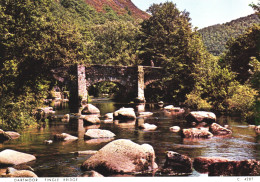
(235, 168)
(90, 119)
(199, 117)
(196, 133)
(64, 137)
(90, 109)
(122, 156)
(176, 163)
(98, 133)
(201, 164)
(216, 129)
(10, 157)
(14, 173)
(4, 136)
(124, 113)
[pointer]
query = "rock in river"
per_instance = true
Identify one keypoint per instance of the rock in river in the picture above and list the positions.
(216, 129)
(124, 113)
(90, 109)
(98, 133)
(14, 173)
(4, 136)
(200, 117)
(10, 157)
(64, 137)
(122, 156)
(177, 163)
(90, 119)
(148, 127)
(196, 133)
(201, 164)
(175, 129)
(13, 135)
(235, 168)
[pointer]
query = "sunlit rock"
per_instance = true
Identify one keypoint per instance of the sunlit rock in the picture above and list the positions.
(175, 109)
(11, 172)
(216, 129)
(160, 103)
(90, 109)
(125, 113)
(10, 157)
(122, 156)
(177, 163)
(175, 129)
(201, 164)
(148, 127)
(235, 168)
(98, 133)
(196, 133)
(48, 141)
(200, 117)
(91, 119)
(109, 116)
(64, 137)
(13, 135)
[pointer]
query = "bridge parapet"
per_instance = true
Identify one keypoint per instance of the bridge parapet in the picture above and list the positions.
(81, 77)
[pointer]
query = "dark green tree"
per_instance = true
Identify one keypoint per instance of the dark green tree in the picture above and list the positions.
(33, 42)
(240, 52)
(169, 42)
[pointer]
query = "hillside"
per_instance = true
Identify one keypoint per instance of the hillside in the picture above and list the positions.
(119, 6)
(215, 37)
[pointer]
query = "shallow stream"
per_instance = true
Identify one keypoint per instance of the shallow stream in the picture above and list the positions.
(57, 159)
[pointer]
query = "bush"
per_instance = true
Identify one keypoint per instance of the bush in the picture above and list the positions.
(196, 102)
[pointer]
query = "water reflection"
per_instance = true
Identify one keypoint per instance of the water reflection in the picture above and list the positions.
(55, 159)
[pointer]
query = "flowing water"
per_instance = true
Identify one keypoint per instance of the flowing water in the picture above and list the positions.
(57, 159)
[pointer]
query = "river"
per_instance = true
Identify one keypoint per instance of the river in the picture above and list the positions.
(57, 159)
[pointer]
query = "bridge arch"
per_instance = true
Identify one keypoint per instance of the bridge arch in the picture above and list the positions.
(81, 77)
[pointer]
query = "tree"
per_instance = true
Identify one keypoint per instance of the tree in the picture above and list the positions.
(115, 43)
(33, 42)
(241, 50)
(169, 41)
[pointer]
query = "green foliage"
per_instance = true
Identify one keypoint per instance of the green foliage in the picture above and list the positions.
(217, 89)
(33, 41)
(215, 37)
(169, 41)
(240, 52)
(115, 43)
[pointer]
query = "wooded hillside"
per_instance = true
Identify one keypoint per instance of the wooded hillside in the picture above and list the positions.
(215, 37)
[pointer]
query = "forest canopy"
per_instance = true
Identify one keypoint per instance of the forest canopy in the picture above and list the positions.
(38, 36)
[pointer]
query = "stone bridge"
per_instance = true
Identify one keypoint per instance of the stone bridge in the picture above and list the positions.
(81, 77)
